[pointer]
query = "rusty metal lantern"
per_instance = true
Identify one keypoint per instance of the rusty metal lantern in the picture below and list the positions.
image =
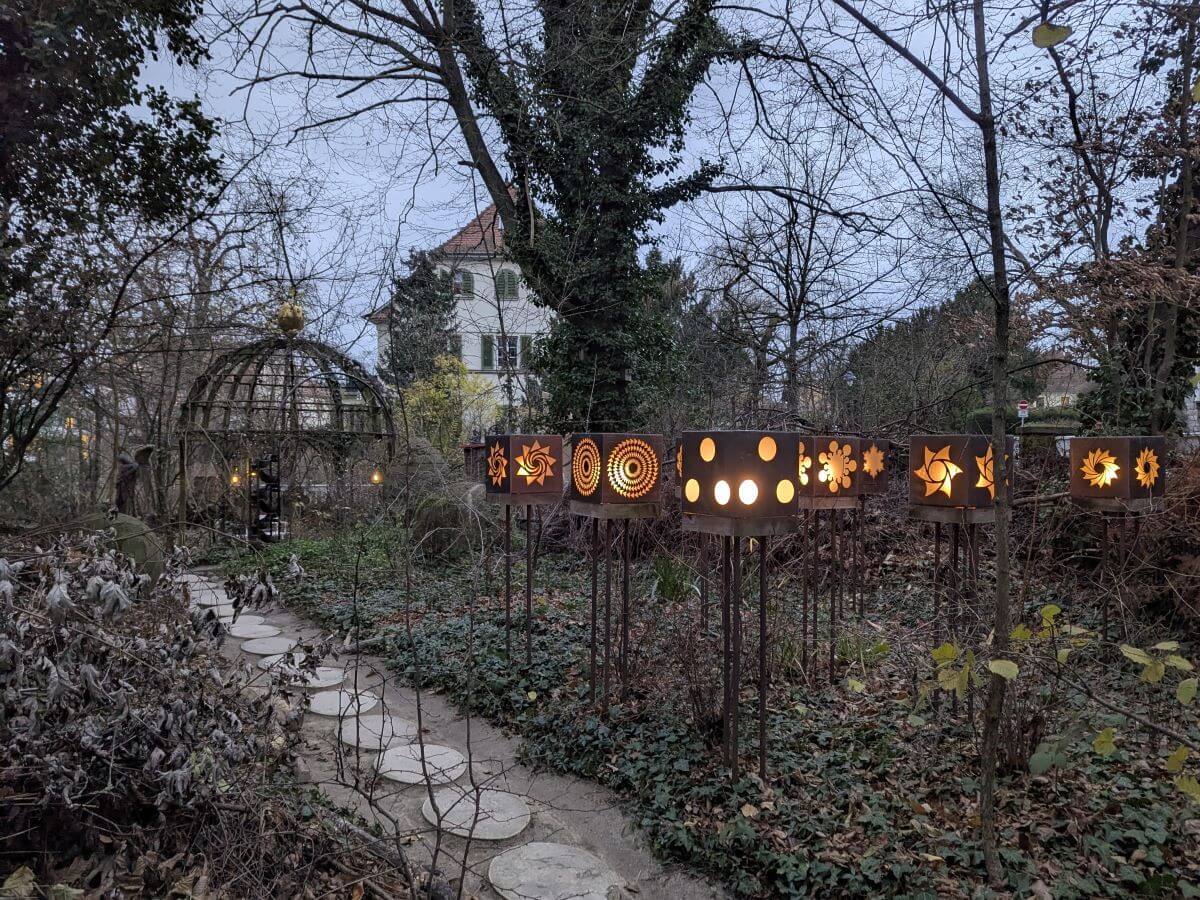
(1118, 473)
(951, 477)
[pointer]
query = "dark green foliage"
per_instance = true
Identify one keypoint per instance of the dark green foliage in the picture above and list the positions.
(420, 323)
(593, 119)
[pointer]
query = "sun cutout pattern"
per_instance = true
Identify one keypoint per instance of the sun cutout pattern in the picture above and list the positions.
(987, 478)
(1146, 468)
(535, 463)
(1099, 468)
(837, 465)
(873, 461)
(633, 468)
(497, 464)
(938, 472)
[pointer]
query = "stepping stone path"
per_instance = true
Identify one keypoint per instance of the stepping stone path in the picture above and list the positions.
(528, 870)
(405, 764)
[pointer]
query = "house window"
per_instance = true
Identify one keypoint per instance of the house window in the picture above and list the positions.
(454, 346)
(464, 282)
(504, 352)
(506, 285)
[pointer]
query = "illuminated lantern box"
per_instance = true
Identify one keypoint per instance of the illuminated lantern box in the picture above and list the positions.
(616, 475)
(524, 469)
(1118, 472)
(739, 482)
(874, 466)
(951, 477)
(829, 471)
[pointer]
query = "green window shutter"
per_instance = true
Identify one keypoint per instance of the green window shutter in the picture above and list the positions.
(487, 352)
(506, 285)
(468, 283)
(526, 347)
(455, 346)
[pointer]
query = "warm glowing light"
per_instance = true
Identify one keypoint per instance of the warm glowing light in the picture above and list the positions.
(785, 491)
(679, 460)
(633, 468)
(691, 490)
(376, 477)
(986, 478)
(873, 461)
(1099, 468)
(804, 463)
(497, 464)
(235, 478)
(836, 467)
(708, 449)
(69, 422)
(585, 467)
(766, 448)
(721, 492)
(535, 463)
(748, 491)
(1146, 468)
(938, 472)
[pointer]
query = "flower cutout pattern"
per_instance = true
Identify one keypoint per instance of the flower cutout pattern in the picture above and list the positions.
(1146, 468)
(873, 461)
(535, 463)
(804, 463)
(837, 464)
(1099, 468)
(987, 478)
(938, 472)
(497, 464)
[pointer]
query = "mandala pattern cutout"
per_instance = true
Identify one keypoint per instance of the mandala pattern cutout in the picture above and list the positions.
(1146, 468)
(873, 461)
(1099, 468)
(804, 463)
(535, 463)
(633, 468)
(837, 464)
(938, 472)
(497, 464)
(585, 467)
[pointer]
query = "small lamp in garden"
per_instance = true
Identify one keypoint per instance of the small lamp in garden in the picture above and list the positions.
(1121, 478)
(740, 484)
(522, 470)
(614, 476)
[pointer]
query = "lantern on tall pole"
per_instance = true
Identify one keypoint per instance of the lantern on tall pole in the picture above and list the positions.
(614, 477)
(1121, 478)
(740, 484)
(874, 465)
(522, 470)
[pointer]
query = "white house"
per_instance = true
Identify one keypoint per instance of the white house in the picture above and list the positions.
(495, 316)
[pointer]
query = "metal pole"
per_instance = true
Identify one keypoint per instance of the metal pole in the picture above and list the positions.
(954, 612)
(735, 615)
(592, 629)
(607, 610)
(856, 599)
(507, 581)
(763, 674)
(804, 577)
(1104, 550)
(703, 583)
(624, 606)
(833, 588)
(814, 595)
(726, 649)
(937, 586)
(529, 585)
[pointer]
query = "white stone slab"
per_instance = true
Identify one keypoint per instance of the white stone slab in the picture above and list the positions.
(202, 597)
(278, 660)
(342, 703)
(547, 871)
(269, 645)
(403, 764)
(242, 630)
(500, 815)
(378, 732)
(245, 619)
(323, 677)
(225, 612)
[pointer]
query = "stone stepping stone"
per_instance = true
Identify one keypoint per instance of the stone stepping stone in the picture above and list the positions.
(321, 678)
(403, 764)
(223, 612)
(278, 660)
(501, 814)
(241, 630)
(547, 871)
(269, 645)
(243, 619)
(377, 732)
(209, 598)
(342, 703)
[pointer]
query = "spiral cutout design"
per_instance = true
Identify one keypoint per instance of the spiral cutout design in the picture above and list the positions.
(633, 468)
(585, 467)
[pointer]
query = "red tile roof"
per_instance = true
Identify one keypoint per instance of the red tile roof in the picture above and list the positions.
(484, 233)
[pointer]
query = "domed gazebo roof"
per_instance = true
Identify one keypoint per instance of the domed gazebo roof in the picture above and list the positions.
(288, 389)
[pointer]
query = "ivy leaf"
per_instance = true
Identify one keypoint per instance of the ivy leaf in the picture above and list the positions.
(855, 685)
(1166, 645)
(1021, 633)
(1154, 672)
(1105, 742)
(1041, 762)
(947, 653)
(1189, 786)
(532, 695)
(1005, 668)
(1062, 655)
(1186, 692)
(915, 721)
(1176, 760)
(1049, 612)
(1137, 655)
(1178, 662)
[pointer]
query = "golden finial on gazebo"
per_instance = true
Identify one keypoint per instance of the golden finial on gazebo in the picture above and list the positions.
(290, 317)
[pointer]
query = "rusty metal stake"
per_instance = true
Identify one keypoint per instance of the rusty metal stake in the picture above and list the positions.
(507, 582)
(763, 647)
(607, 611)
(529, 586)
(833, 588)
(726, 650)
(736, 622)
(624, 606)
(592, 629)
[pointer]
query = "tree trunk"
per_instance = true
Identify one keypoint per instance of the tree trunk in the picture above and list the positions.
(1002, 615)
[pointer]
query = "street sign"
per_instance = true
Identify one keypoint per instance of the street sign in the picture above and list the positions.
(1023, 410)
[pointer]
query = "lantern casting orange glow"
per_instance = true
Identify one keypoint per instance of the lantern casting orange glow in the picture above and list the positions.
(938, 472)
